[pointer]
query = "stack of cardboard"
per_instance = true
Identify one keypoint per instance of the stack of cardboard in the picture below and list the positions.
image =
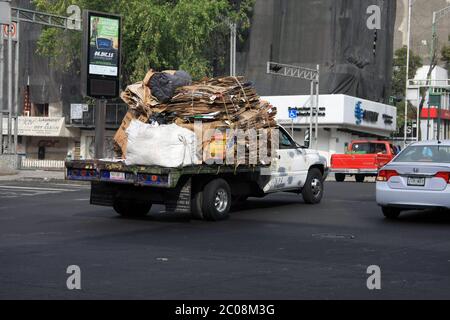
(219, 103)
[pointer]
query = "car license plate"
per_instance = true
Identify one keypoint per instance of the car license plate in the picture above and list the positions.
(118, 176)
(416, 182)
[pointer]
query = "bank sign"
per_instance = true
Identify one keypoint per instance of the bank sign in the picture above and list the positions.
(103, 46)
(364, 115)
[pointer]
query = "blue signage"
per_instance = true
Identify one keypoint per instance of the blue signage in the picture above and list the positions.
(359, 113)
(292, 113)
(365, 115)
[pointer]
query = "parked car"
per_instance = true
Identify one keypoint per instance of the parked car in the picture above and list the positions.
(363, 158)
(418, 178)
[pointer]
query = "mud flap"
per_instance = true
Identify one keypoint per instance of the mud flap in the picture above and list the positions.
(178, 200)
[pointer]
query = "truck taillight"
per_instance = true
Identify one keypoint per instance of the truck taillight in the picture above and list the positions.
(385, 175)
(444, 175)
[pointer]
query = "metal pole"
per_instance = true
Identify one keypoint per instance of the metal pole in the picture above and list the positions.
(311, 112)
(2, 68)
(407, 72)
(233, 49)
(10, 88)
(433, 50)
(16, 106)
(316, 136)
(100, 117)
(292, 128)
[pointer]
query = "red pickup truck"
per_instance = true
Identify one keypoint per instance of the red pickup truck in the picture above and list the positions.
(363, 159)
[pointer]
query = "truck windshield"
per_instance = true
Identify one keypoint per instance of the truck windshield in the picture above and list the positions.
(434, 154)
(368, 148)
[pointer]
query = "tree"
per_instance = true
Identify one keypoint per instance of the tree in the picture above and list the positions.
(171, 34)
(445, 56)
(398, 82)
(399, 70)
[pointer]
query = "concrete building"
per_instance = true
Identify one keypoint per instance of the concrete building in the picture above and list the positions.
(341, 119)
(435, 113)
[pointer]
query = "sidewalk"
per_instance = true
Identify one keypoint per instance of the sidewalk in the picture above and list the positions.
(31, 175)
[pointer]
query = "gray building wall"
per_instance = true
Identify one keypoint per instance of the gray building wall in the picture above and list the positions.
(421, 21)
(331, 33)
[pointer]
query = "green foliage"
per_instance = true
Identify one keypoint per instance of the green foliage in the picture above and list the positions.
(174, 34)
(399, 70)
(445, 56)
(399, 82)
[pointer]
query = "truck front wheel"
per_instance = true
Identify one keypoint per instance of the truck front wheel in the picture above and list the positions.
(216, 200)
(312, 191)
(132, 209)
(360, 178)
(340, 177)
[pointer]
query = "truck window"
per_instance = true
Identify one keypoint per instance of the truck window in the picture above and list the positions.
(369, 148)
(380, 148)
(285, 140)
(363, 148)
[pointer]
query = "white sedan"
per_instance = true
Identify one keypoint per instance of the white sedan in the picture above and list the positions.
(418, 178)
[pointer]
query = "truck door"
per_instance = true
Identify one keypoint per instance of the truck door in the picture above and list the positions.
(289, 168)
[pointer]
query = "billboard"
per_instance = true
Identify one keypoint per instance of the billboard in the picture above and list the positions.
(101, 55)
(103, 46)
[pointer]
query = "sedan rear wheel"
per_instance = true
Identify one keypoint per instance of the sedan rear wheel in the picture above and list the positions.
(391, 213)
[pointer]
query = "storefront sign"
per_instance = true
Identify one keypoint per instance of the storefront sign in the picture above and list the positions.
(38, 126)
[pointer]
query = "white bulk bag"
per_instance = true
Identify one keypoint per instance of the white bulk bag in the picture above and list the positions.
(169, 146)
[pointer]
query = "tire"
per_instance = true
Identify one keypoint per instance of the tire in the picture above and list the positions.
(312, 191)
(340, 177)
(216, 200)
(196, 206)
(132, 209)
(391, 213)
(360, 178)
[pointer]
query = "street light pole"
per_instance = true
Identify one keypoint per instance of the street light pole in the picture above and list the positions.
(410, 3)
(233, 33)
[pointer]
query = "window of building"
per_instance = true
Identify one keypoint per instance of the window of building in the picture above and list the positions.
(41, 110)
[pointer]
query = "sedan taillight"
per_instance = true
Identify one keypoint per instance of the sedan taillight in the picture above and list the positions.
(385, 175)
(443, 175)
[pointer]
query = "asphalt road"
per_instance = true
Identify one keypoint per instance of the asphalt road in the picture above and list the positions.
(272, 248)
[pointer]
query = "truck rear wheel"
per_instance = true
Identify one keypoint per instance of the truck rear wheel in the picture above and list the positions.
(132, 209)
(216, 200)
(313, 189)
(360, 178)
(340, 177)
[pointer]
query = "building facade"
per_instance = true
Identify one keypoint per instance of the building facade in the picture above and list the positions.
(341, 119)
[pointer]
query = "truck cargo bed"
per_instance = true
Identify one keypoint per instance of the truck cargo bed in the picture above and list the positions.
(119, 172)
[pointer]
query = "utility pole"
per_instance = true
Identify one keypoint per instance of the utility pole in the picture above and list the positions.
(2, 68)
(100, 118)
(437, 15)
(233, 34)
(410, 4)
(10, 87)
(16, 77)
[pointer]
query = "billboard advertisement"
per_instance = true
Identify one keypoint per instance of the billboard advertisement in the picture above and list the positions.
(100, 72)
(104, 45)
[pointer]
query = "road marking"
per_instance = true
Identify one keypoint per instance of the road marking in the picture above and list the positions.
(9, 192)
(35, 188)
